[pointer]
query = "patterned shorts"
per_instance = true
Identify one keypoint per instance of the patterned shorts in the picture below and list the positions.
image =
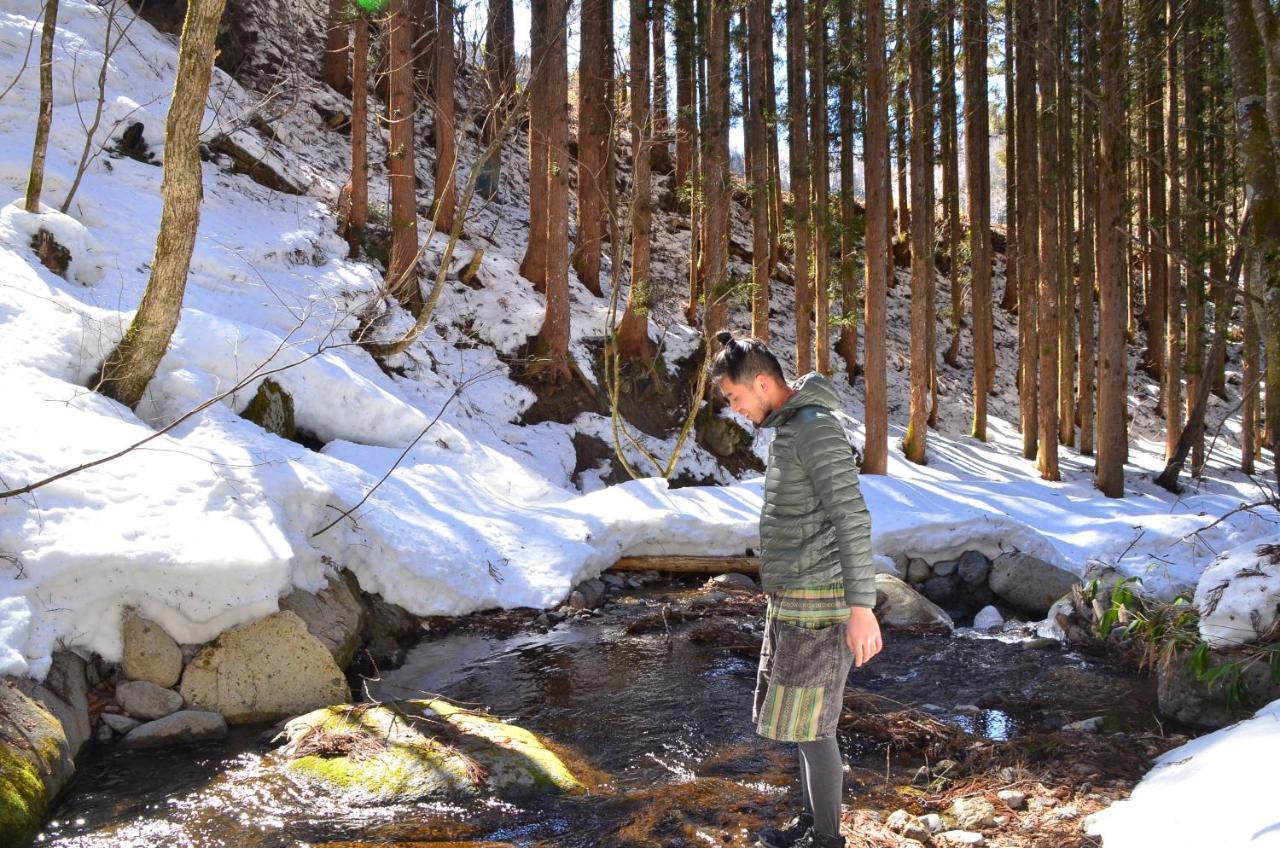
(804, 663)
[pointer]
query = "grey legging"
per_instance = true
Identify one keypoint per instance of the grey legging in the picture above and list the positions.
(821, 783)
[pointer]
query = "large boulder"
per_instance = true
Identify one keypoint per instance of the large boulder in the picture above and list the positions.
(150, 653)
(1181, 697)
(396, 752)
(65, 694)
(35, 763)
(902, 607)
(333, 615)
(1238, 595)
(262, 671)
(144, 700)
(184, 727)
(1028, 583)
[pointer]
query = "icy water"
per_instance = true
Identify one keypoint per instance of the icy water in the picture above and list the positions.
(652, 696)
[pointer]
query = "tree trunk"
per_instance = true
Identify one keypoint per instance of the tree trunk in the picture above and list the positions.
(132, 364)
(878, 264)
(759, 40)
(334, 66)
(44, 117)
(1088, 219)
(1028, 226)
(978, 183)
(719, 195)
(499, 71)
(901, 118)
(534, 265)
(634, 344)
(1251, 367)
(660, 157)
(799, 154)
(1173, 244)
(553, 339)
(1193, 245)
(423, 51)
(446, 155)
(1047, 317)
(919, 22)
(1155, 223)
(847, 346)
(821, 188)
(402, 269)
(357, 220)
(776, 221)
(594, 132)
(1066, 237)
(1012, 233)
(686, 114)
(950, 142)
(1113, 366)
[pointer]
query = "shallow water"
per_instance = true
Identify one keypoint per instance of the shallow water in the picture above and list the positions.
(660, 722)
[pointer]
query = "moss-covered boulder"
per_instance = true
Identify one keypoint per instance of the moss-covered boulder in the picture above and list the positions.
(407, 750)
(272, 410)
(35, 763)
(724, 436)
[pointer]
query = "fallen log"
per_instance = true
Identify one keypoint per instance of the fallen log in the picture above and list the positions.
(688, 564)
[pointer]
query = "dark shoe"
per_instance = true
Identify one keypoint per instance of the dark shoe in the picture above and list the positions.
(813, 839)
(788, 835)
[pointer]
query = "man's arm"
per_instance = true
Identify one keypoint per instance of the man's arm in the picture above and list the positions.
(825, 455)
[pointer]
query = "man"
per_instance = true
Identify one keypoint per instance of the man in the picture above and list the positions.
(816, 568)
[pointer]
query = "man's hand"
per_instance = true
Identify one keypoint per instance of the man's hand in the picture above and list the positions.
(863, 635)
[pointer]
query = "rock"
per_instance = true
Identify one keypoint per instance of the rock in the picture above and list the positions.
(944, 568)
(900, 606)
(967, 709)
(973, 813)
(577, 600)
(119, 723)
(901, 563)
(272, 410)
(918, 570)
(1012, 798)
(402, 751)
(962, 837)
(1183, 698)
(65, 694)
(614, 580)
(724, 436)
(940, 590)
(932, 822)
(249, 156)
(988, 618)
(103, 733)
(710, 599)
(264, 670)
(150, 653)
(34, 765)
(333, 615)
(592, 592)
(1087, 725)
(383, 618)
(1028, 583)
(905, 824)
(144, 700)
(973, 568)
(1039, 643)
(1066, 812)
(734, 580)
(180, 728)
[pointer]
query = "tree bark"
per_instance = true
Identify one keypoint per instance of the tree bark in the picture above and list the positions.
(1088, 219)
(847, 346)
(1172, 243)
(402, 269)
(716, 280)
(919, 22)
(878, 265)
(334, 65)
(634, 344)
(1193, 244)
(950, 143)
(1047, 317)
(661, 150)
(759, 40)
(132, 364)
(978, 180)
(1113, 365)
(553, 339)
(686, 114)
(1012, 233)
(821, 188)
(1067, 295)
(1028, 226)
(357, 220)
(901, 118)
(594, 132)
(534, 265)
(797, 101)
(446, 149)
(499, 72)
(44, 115)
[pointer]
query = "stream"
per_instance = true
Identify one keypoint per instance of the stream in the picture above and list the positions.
(650, 698)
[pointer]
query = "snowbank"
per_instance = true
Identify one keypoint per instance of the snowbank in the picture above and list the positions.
(1216, 790)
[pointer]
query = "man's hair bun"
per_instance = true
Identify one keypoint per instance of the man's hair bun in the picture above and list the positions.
(724, 337)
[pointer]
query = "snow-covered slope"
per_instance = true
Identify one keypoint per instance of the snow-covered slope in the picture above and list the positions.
(208, 524)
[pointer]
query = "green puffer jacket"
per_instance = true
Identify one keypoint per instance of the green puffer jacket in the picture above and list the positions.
(814, 526)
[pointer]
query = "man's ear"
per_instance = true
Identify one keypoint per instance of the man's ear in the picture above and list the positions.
(762, 383)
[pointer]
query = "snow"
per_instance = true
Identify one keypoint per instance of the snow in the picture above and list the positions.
(1238, 596)
(211, 521)
(1216, 790)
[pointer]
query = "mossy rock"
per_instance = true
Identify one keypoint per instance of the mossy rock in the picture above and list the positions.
(35, 762)
(408, 750)
(724, 436)
(272, 410)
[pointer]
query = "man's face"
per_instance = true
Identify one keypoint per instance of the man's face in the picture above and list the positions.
(747, 399)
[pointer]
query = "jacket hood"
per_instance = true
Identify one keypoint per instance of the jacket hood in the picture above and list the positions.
(812, 389)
